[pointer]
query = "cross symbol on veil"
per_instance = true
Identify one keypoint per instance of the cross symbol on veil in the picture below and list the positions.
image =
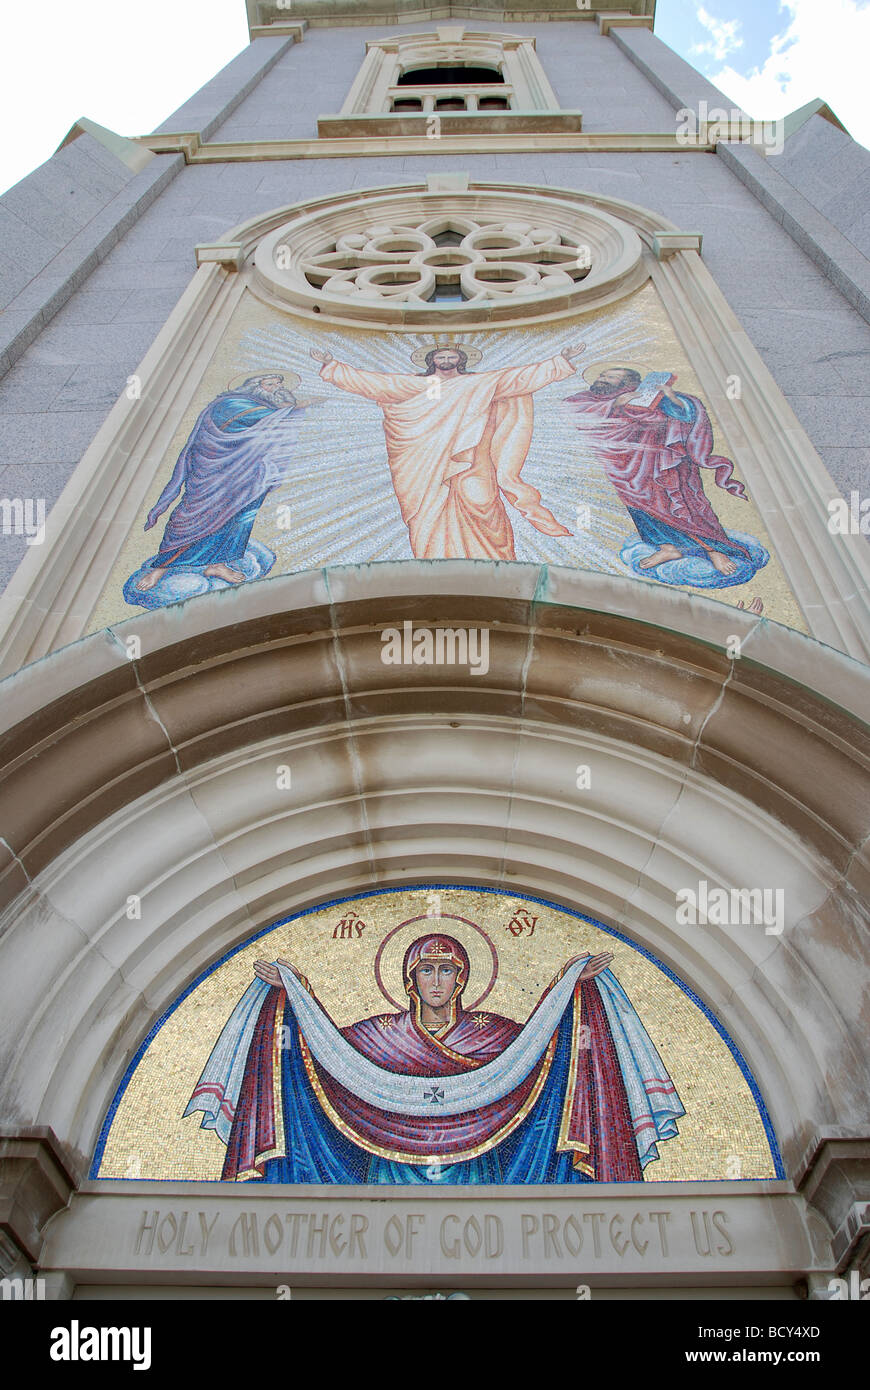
(435, 1095)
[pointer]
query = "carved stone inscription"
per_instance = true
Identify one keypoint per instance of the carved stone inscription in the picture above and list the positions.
(311, 1235)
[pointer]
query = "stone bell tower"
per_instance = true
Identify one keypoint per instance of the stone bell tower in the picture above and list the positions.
(434, 640)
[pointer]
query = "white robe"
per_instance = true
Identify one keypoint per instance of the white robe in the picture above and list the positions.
(451, 457)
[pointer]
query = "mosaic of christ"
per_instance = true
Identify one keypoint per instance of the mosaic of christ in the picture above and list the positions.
(588, 445)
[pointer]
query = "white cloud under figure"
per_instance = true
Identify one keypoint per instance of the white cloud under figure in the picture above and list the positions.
(822, 52)
(724, 36)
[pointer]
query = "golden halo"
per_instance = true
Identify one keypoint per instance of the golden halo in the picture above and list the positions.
(418, 356)
(482, 957)
(291, 379)
(589, 373)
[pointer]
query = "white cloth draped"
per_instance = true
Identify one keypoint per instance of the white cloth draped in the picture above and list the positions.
(652, 1099)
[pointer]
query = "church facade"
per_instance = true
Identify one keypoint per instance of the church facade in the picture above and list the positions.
(434, 654)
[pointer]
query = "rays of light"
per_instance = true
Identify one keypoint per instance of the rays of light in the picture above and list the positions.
(338, 488)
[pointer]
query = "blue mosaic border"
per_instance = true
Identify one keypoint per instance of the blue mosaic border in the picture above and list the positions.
(425, 888)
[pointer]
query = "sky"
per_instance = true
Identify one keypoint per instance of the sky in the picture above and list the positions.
(128, 67)
(772, 56)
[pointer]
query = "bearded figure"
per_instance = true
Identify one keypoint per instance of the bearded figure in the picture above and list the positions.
(238, 451)
(656, 455)
(456, 442)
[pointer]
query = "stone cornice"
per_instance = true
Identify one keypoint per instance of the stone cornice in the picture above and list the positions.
(538, 132)
(623, 20)
(36, 1180)
(527, 142)
(263, 15)
(280, 31)
(834, 1177)
(469, 125)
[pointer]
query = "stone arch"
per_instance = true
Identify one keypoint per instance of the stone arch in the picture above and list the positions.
(162, 778)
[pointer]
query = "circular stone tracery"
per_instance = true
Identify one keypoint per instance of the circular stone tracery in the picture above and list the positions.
(525, 258)
(474, 254)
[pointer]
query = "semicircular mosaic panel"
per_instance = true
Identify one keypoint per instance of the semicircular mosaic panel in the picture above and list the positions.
(437, 1035)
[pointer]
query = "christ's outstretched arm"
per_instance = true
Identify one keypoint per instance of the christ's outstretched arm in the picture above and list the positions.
(383, 387)
(521, 381)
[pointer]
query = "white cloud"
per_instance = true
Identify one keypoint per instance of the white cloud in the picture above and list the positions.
(723, 36)
(823, 52)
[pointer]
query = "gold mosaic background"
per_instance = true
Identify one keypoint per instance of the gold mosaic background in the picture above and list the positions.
(342, 506)
(720, 1136)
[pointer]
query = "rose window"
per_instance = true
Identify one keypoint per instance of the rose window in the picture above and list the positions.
(425, 256)
(454, 258)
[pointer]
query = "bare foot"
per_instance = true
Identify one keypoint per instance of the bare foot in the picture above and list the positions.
(721, 562)
(667, 552)
(150, 579)
(756, 606)
(222, 571)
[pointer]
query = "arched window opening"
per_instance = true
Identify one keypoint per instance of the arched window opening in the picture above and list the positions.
(449, 76)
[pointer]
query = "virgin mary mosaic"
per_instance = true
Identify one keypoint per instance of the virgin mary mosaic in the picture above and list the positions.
(577, 1092)
(519, 1044)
